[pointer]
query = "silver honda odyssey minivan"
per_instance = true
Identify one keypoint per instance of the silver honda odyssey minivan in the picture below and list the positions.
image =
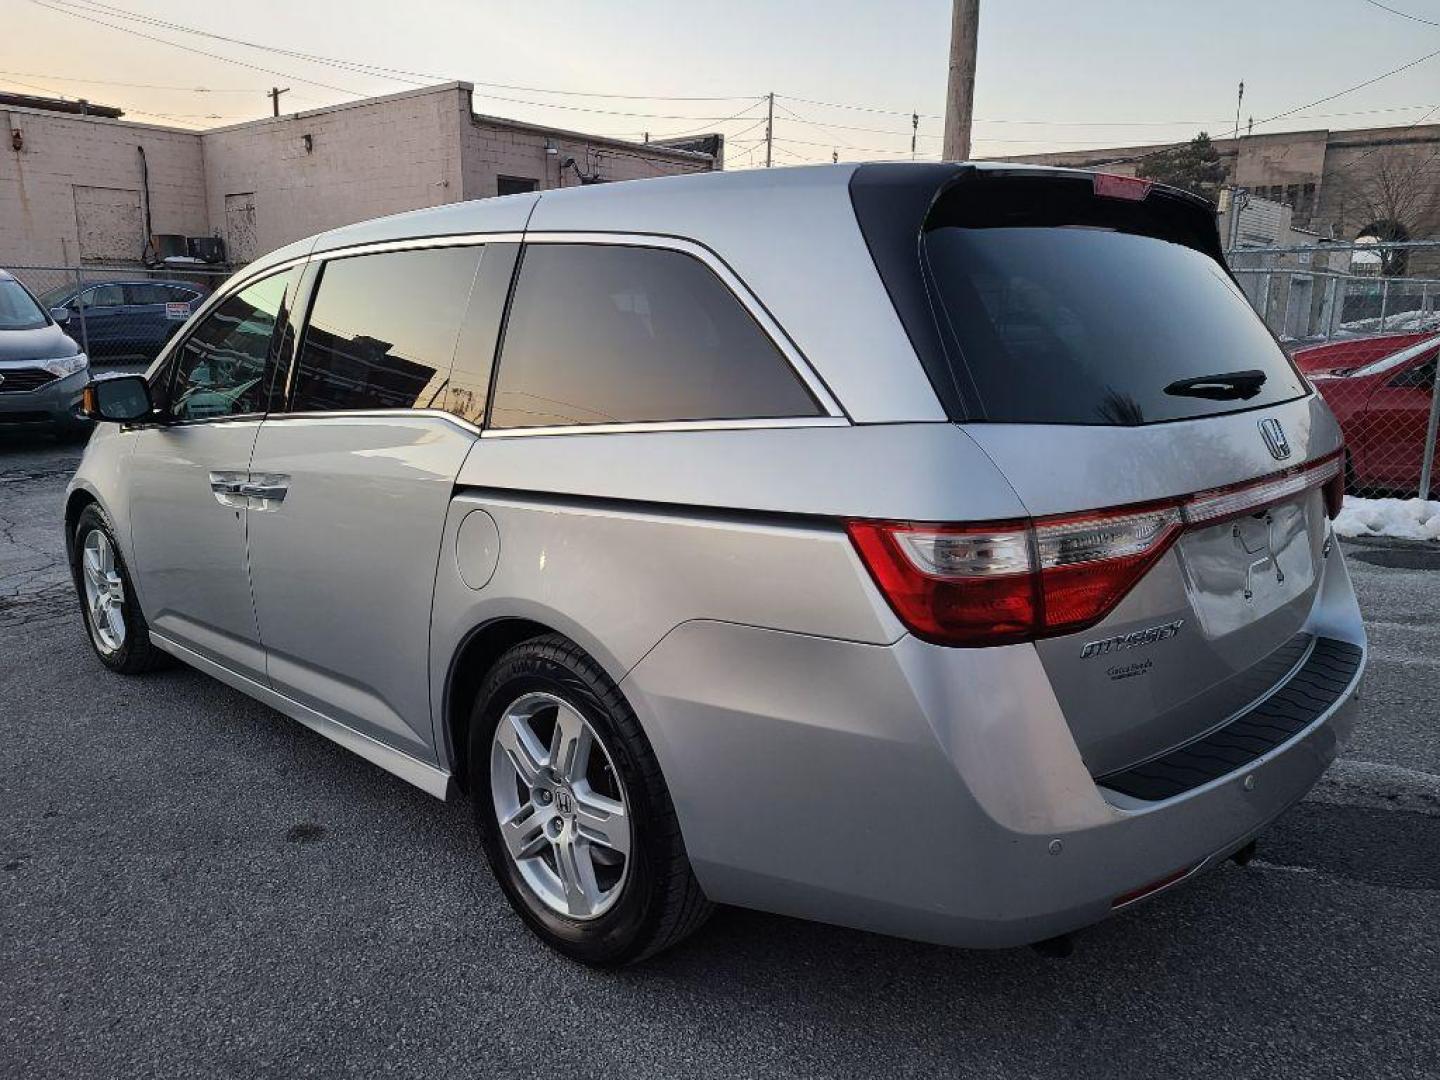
(940, 550)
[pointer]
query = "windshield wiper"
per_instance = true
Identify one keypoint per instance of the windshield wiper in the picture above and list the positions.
(1228, 386)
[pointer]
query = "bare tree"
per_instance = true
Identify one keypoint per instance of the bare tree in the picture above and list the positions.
(1392, 194)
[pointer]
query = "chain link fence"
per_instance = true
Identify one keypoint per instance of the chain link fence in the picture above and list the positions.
(120, 315)
(1362, 320)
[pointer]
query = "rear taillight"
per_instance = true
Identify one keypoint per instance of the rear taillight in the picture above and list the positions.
(954, 585)
(1008, 581)
(1087, 564)
(1011, 581)
(1335, 492)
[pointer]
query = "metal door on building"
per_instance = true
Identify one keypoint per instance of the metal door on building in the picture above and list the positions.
(240, 233)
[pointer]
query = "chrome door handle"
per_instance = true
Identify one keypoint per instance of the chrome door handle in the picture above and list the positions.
(229, 488)
(269, 492)
(267, 489)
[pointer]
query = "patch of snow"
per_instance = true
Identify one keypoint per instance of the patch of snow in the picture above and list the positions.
(1405, 519)
(1399, 322)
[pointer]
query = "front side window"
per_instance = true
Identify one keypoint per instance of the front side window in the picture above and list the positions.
(382, 330)
(17, 310)
(222, 368)
(603, 334)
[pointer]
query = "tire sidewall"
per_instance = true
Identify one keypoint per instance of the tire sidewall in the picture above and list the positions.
(92, 518)
(616, 935)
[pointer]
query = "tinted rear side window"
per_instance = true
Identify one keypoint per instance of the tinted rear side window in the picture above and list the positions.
(601, 334)
(1091, 326)
(382, 330)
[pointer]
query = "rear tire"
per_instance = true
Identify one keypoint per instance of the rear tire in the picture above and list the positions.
(641, 906)
(113, 620)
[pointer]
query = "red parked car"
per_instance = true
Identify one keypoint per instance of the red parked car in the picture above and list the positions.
(1384, 408)
(1353, 352)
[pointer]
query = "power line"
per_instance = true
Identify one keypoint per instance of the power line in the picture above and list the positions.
(137, 112)
(354, 93)
(863, 108)
(133, 85)
(191, 49)
(396, 74)
(87, 10)
(1018, 122)
(1402, 14)
(1355, 161)
(844, 146)
(617, 112)
(1349, 90)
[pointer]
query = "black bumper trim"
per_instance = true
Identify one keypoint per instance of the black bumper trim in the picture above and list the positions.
(1319, 683)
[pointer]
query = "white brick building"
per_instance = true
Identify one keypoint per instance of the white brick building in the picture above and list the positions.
(73, 189)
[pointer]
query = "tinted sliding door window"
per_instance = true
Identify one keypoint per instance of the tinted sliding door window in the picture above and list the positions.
(602, 334)
(382, 330)
(222, 369)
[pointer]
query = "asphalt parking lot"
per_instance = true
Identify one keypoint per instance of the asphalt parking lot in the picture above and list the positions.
(193, 886)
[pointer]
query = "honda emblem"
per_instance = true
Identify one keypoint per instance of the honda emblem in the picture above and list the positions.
(1275, 439)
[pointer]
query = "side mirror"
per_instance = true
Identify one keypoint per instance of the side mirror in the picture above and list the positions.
(60, 314)
(121, 399)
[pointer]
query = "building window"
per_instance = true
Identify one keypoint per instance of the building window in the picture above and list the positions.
(514, 185)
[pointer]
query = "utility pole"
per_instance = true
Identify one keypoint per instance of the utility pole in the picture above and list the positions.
(1239, 100)
(914, 132)
(274, 96)
(960, 96)
(770, 128)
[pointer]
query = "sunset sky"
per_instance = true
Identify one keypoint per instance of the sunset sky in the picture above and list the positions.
(1052, 74)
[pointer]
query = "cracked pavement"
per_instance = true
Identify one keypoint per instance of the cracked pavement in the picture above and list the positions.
(193, 886)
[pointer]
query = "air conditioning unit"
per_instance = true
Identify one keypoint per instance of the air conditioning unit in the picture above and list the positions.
(168, 245)
(208, 249)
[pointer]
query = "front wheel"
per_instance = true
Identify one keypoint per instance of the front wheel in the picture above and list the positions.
(574, 816)
(117, 629)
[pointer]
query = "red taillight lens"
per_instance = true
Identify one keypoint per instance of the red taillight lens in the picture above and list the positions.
(1335, 493)
(954, 585)
(1010, 581)
(1088, 564)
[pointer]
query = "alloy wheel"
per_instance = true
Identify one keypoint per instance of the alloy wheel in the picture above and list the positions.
(104, 592)
(559, 805)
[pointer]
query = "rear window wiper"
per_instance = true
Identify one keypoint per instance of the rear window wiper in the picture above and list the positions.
(1228, 386)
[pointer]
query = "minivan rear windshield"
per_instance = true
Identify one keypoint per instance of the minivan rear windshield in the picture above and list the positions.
(1058, 324)
(17, 310)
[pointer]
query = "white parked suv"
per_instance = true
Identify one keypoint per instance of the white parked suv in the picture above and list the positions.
(942, 550)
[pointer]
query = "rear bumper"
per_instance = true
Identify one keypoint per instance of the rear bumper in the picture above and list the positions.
(933, 793)
(53, 405)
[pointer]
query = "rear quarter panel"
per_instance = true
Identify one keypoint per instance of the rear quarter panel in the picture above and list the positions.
(617, 539)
